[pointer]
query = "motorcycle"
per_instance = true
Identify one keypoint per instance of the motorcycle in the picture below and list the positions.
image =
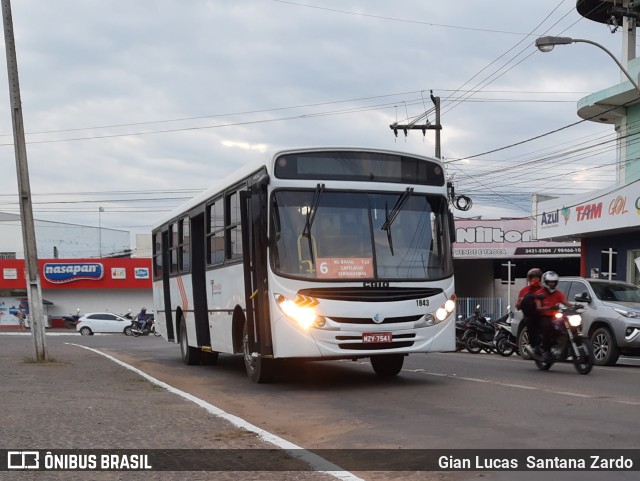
(504, 340)
(479, 334)
(71, 320)
(134, 328)
(461, 328)
(568, 342)
(134, 324)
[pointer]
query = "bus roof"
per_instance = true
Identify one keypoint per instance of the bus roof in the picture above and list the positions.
(267, 162)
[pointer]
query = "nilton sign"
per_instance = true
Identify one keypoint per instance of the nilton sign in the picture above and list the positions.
(60, 273)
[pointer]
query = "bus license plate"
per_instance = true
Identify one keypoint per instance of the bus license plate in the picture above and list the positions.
(376, 337)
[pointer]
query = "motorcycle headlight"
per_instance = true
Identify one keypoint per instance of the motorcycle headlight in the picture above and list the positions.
(575, 320)
(626, 313)
(301, 312)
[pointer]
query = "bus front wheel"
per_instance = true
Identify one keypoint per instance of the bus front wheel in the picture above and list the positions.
(259, 369)
(387, 365)
(190, 355)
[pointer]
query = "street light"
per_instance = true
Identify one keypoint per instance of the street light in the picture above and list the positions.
(546, 44)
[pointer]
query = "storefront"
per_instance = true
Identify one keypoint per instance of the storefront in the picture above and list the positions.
(491, 257)
(116, 285)
(607, 223)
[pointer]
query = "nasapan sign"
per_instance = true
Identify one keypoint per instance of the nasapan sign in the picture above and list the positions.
(60, 273)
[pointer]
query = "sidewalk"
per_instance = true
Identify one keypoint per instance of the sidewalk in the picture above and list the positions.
(82, 400)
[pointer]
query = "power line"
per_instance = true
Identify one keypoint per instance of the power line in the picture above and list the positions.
(381, 17)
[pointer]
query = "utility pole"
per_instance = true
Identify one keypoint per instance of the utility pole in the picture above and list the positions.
(34, 291)
(424, 127)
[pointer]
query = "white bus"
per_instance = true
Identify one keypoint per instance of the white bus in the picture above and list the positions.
(315, 254)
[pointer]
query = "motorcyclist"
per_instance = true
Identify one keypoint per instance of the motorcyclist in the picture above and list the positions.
(529, 307)
(547, 305)
(141, 318)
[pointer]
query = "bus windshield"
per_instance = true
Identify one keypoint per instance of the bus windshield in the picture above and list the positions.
(360, 235)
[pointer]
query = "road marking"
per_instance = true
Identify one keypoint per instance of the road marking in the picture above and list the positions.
(70, 333)
(515, 386)
(519, 386)
(316, 462)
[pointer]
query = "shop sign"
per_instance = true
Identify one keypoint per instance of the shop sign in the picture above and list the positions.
(10, 273)
(593, 212)
(507, 238)
(60, 273)
(141, 273)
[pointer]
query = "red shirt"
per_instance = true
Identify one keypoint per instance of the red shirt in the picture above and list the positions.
(530, 289)
(552, 298)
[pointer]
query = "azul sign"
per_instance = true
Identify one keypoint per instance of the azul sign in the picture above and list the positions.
(69, 272)
(549, 218)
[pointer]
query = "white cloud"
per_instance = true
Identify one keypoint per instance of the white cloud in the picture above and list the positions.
(191, 85)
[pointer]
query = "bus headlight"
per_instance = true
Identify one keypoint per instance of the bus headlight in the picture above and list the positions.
(575, 320)
(304, 315)
(446, 309)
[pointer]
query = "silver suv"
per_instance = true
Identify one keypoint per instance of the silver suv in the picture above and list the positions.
(611, 316)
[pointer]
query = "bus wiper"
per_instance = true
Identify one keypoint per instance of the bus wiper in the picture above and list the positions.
(311, 215)
(390, 218)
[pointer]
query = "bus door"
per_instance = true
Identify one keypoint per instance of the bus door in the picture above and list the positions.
(166, 289)
(198, 279)
(254, 248)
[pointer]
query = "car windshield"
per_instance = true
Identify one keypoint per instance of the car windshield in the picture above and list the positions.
(606, 291)
(352, 236)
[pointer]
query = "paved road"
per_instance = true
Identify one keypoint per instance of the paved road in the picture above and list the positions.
(80, 399)
(454, 400)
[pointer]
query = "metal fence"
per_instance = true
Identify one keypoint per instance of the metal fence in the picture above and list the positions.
(489, 306)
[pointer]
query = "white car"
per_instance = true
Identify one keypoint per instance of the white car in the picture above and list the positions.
(94, 322)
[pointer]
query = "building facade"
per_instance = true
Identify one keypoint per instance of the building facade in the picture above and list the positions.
(491, 257)
(606, 222)
(117, 285)
(61, 240)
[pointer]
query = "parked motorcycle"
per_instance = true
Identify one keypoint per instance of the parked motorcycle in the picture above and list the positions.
(461, 328)
(71, 320)
(569, 342)
(479, 333)
(504, 340)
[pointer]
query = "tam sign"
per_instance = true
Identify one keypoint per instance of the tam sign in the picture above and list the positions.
(617, 208)
(61, 273)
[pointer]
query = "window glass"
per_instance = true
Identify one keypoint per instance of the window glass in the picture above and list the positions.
(234, 227)
(217, 220)
(185, 257)
(575, 289)
(215, 233)
(347, 241)
(216, 248)
(157, 255)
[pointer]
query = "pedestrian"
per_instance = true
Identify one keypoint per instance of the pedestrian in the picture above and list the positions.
(20, 316)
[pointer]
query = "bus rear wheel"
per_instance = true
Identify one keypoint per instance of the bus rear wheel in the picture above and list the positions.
(259, 369)
(190, 355)
(387, 365)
